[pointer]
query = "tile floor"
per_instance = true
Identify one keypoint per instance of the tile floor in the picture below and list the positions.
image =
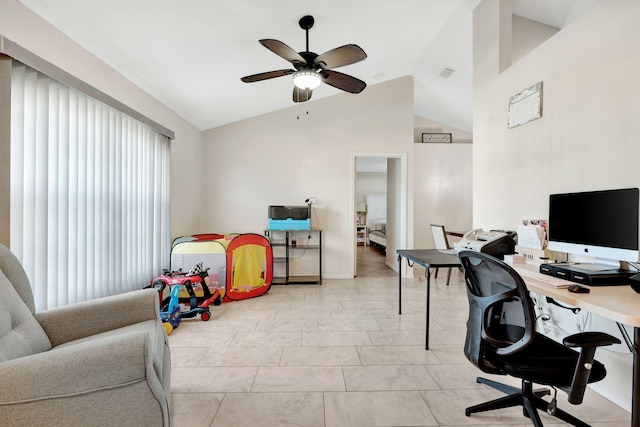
(338, 354)
(370, 262)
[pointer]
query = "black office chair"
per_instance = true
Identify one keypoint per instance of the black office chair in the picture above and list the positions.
(501, 339)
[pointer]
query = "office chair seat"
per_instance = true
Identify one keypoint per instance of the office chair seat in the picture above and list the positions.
(546, 362)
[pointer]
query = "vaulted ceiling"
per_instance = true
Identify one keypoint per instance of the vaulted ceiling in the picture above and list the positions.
(191, 54)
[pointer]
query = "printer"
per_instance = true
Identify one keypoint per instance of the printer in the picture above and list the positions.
(496, 243)
(289, 217)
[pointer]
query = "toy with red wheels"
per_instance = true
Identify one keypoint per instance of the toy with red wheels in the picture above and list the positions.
(171, 317)
(198, 308)
(187, 283)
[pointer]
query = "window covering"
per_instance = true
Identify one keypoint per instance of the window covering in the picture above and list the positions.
(89, 193)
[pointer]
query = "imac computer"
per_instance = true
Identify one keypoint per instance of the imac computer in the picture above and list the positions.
(598, 224)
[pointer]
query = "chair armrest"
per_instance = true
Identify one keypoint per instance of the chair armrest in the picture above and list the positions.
(80, 320)
(590, 339)
(60, 375)
(588, 342)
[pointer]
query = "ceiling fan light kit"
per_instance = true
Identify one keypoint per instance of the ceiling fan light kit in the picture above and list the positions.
(307, 79)
(312, 69)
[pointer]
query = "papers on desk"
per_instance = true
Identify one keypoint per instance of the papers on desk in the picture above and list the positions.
(532, 233)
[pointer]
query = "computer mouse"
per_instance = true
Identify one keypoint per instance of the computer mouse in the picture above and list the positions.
(578, 289)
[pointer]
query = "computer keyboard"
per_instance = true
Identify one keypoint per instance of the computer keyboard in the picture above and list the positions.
(544, 279)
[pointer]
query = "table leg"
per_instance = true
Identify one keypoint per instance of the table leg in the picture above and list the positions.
(427, 274)
(399, 284)
(635, 382)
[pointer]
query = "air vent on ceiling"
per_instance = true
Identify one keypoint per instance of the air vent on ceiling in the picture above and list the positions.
(446, 73)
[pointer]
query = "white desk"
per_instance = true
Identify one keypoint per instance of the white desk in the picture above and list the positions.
(618, 303)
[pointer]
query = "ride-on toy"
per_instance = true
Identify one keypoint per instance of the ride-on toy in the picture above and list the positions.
(193, 282)
(171, 317)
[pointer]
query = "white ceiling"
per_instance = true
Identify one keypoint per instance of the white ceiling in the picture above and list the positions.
(191, 54)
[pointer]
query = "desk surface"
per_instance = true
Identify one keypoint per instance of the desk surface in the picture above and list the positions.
(618, 303)
(430, 258)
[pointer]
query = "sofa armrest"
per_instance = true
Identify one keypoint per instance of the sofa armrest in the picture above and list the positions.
(71, 322)
(73, 384)
(75, 369)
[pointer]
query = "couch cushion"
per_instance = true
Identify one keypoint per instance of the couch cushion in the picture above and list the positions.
(20, 334)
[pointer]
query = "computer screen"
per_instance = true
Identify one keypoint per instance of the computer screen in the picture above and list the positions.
(601, 224)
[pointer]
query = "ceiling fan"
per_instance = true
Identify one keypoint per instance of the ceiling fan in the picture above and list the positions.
(312, 69)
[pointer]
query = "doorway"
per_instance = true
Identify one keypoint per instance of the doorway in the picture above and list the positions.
(393, 169)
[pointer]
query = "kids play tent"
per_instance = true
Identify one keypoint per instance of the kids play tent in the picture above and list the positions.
(240, 265)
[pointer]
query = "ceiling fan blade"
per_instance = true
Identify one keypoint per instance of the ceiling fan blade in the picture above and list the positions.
(343, 81)
(341, 56)
(283, 51)
(301, 95)
(265, 76)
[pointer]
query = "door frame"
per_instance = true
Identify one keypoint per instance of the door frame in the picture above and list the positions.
(401, 210)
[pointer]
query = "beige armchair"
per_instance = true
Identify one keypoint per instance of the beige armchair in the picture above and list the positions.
(103, 362)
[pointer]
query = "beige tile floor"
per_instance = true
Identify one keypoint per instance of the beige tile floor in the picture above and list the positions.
(338, 354)
(370, 262)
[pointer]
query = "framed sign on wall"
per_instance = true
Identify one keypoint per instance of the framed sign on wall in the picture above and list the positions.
(437, 137)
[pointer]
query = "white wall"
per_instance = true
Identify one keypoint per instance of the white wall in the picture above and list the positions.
(280, 159)
(443, 182)
(370, 183)
(28, 30)
(587, 138)
(527, 35)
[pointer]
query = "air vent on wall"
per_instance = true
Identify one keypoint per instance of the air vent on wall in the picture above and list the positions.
(446, 73)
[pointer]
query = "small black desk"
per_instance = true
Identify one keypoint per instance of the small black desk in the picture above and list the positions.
(428, 258)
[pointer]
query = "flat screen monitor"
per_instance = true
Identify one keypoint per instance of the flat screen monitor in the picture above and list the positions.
(601, 224)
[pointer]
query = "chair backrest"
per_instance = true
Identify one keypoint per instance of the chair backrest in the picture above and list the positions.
(501, 314)
(439, 236)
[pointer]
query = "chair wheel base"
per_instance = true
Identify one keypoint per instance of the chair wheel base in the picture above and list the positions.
(530, 400)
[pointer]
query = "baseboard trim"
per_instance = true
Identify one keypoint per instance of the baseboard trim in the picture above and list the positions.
(613, 395)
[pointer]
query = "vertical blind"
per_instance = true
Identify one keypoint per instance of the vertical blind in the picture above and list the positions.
(89, 193)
